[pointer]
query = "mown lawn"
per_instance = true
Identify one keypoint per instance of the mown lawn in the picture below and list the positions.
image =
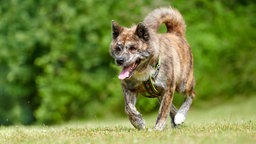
(234, 122)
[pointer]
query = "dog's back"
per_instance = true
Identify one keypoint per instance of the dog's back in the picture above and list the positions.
(173, 47)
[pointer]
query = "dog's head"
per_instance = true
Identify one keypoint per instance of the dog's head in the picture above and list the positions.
(130, 48)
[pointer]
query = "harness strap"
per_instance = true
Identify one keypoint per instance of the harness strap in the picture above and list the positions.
(149, 84)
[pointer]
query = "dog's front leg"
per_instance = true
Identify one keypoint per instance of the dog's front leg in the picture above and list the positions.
(134, 116)
(164, 109)
(173, 112)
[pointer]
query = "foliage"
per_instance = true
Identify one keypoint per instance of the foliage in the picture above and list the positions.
(55, 64)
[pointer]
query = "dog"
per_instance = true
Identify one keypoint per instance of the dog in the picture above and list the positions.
(157, 64)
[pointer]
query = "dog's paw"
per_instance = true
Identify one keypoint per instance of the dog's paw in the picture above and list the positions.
(139, 124)
(159, 126)
(179, 118)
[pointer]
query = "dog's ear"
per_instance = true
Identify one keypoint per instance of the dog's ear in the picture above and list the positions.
(116, 29)
(142, 32)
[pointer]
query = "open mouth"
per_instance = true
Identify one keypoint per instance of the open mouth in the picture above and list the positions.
(128, 70)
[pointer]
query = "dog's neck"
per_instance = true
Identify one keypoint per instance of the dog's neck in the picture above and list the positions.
(149, 71)
(145, 74)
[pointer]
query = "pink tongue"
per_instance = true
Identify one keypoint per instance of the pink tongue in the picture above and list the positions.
(124, 74)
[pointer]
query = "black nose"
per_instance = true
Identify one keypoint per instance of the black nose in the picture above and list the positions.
(120, 61)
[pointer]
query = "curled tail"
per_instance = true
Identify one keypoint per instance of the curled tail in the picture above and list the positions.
(170, 17)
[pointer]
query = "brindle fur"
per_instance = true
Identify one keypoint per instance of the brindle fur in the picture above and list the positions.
(176, 68)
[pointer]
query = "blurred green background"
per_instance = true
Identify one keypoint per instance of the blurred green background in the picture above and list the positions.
(55, 65)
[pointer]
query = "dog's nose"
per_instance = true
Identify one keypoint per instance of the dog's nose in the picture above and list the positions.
(120, 61)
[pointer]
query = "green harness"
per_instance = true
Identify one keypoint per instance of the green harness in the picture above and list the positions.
(149, 85)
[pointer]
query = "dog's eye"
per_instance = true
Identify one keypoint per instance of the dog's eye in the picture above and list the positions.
(132, 48)
(119, 48)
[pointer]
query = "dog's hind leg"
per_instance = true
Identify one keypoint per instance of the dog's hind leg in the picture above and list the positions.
(172, 115)
(182, 112)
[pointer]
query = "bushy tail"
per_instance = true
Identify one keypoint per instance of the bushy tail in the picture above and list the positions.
(170, 17)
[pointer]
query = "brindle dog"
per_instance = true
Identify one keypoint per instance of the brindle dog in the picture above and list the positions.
(138, 49)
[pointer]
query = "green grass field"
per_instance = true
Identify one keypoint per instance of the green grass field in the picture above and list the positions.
(234, 122)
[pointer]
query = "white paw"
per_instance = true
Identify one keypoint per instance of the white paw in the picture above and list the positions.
(179, 118)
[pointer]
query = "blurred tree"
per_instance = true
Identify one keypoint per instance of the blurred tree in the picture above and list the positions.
(55, 64)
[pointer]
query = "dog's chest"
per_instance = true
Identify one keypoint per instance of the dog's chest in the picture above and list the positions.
(144, 75)
(144, 88)
(138, 87)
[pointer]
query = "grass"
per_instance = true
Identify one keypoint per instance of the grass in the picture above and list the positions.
(234, 122)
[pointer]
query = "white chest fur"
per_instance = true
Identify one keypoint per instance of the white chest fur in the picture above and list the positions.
(145, 74)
